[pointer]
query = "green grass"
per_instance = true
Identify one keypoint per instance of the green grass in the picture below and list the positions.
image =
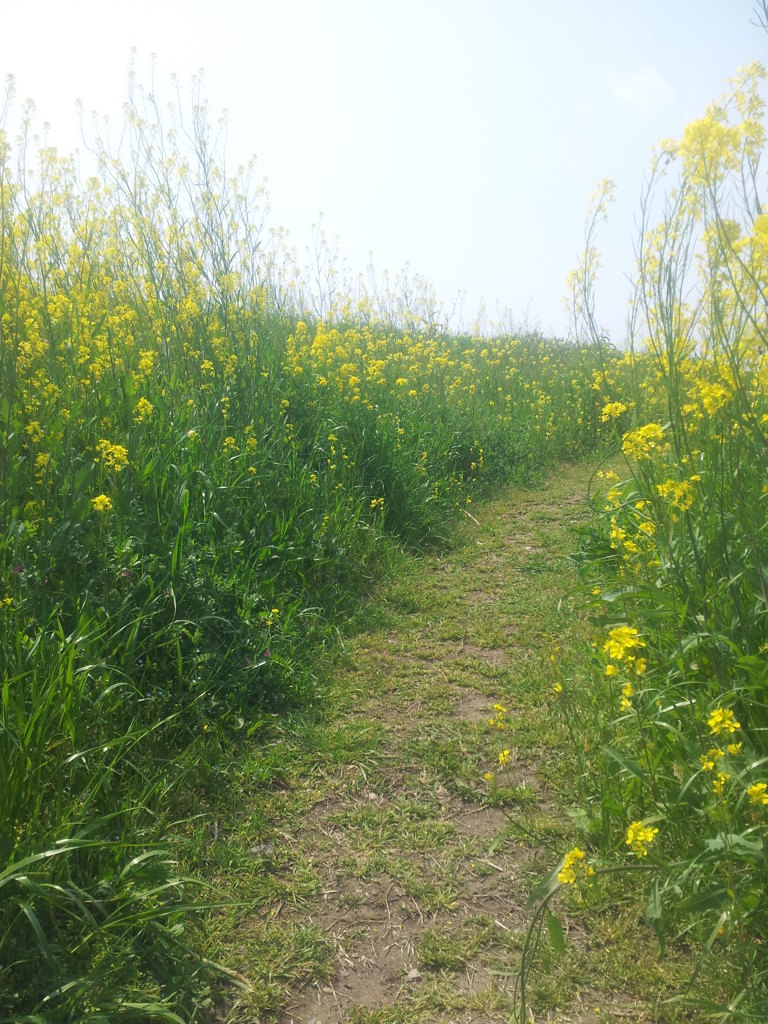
(406, 830)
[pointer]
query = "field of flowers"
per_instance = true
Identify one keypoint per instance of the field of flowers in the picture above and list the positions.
(197, 480)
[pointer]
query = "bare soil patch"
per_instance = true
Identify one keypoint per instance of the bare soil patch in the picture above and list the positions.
(492, 655)
(472, 707)
(480, 597)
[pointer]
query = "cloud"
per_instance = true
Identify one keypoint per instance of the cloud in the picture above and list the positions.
(642, 91)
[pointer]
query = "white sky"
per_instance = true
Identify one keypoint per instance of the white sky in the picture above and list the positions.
(461, 136)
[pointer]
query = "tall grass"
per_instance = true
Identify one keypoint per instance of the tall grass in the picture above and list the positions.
(197, 477)
(677, 562)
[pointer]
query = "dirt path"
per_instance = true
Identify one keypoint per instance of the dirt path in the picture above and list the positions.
(421, 865)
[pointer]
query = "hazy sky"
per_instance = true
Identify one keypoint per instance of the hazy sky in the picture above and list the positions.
(461, 136)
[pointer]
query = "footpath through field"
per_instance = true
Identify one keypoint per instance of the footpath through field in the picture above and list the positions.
(404, 869)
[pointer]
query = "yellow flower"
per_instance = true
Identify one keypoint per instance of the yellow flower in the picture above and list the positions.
(147, 359)
(489, 776)
(497, 722)
(143, 411)
(558, 687)
(504, 757)
(613, 410)
(574, 862)
(758, 794)
(643, 442)
(42, 464)
(710, 759)
(627, 691)
(114, 456)
(639, 837)
(621, 641)
(713, 397)
(101, 503)
(678, 493)
(718, 784)
(722, 720)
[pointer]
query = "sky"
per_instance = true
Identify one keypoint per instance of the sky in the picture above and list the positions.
(461, 137)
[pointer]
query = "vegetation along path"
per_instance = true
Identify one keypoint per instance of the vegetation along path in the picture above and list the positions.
(399, 851)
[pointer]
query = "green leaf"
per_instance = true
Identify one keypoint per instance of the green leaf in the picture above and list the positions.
(628, 765)
(555, 932)
(654, 914)
(735, 844)
(710, 899)
(654, 909)
(546, 887)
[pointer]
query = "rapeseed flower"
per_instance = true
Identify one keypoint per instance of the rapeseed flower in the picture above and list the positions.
(574, 864)
(622, 640)
(42, 465)
(678, 493)
(143, 411)
(114, 456)
(643, 442)
(718, 783)
(639, 837)
(710, 759)
(722, 720)
(101, 503)
(612, 411)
